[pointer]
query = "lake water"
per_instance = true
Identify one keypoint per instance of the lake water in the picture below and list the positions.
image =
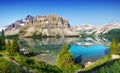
(88, 54)
(82, 49)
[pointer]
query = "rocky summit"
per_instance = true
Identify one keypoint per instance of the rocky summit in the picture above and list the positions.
(51, 25)
(48, 21)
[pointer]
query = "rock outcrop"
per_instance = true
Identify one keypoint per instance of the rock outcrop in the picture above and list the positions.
(19, 23)
(51, 21)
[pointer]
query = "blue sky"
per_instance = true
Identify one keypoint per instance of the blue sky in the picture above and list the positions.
(75, 11)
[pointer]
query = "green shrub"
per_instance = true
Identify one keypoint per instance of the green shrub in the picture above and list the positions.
(30, 61)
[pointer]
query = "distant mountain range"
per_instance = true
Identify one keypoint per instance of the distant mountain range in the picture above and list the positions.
(97, 30)
(54, 25)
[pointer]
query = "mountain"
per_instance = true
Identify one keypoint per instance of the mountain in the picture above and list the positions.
(48, 21)
(51, 25)
(19, 23)
(106, 28)
(88, 29)
(54, 25)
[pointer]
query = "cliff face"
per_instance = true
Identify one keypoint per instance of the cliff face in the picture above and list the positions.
(19, 23)
(51, 25)
(52, 21)
(48, 21)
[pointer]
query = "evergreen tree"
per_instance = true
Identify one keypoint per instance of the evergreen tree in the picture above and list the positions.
(8, 46)
(1, 43)
(3, 34)
(114, 47)
(14, 46)
(3, 39)
(65, 60)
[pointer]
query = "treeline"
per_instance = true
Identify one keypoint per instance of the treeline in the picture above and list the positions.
(113, 33)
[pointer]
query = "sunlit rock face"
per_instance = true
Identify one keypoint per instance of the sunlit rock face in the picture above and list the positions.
(19, 23)
(51, 25)
(41, 21)
(48, 21)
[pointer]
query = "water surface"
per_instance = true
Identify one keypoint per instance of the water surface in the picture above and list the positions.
(83, 54)
(82, 49)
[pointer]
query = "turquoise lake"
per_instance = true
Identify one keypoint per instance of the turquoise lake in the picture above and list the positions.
(88, 54)
(82, 49)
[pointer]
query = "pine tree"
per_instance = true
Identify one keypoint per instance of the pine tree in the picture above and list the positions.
(3, 34)
(3, 39)
(114, 46)
(14, 46)
(1, 43)
(8, 45)
(65, 60)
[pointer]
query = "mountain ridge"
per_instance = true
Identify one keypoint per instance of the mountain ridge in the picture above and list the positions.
(97, 30)
(51, 25)
(54, 25)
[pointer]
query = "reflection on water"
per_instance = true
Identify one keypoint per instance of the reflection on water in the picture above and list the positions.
(48, 48)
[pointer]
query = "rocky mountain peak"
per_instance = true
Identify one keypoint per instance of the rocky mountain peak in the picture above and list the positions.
(29, 17)
(48, 21)
(51, 25)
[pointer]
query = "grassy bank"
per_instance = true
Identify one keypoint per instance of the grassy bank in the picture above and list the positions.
(8, 67)
(98, 63)
(36, 66)
(108, 67)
